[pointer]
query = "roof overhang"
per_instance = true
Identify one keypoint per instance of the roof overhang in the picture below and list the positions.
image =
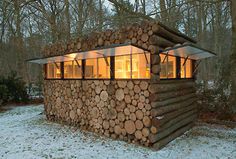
(112, 50)
(190, 51)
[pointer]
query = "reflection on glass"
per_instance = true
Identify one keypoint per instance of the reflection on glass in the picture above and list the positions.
(97, 68)
(104, 67)
(122, 67)
(54, 70)
(73, 69)
(186, 70)
(171, 67)
(168, 66)
(91, 68)
(141, 65)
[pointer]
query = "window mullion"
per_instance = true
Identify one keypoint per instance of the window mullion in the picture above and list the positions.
(167, 63)
(131, 63)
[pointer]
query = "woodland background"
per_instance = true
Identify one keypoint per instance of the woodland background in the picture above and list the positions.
(26, 26)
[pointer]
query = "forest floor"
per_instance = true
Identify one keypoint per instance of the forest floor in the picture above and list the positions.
(25, 133)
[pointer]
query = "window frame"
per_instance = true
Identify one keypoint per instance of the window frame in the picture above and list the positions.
(66, 78)
(46, 71)
(178, 68)
(97, 78)
(192, 68)
(131, 67)
(112, 69)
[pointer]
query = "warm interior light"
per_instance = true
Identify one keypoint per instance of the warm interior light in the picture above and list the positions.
(168, 66)
(72, 69)
(53, 71)
(186, 70)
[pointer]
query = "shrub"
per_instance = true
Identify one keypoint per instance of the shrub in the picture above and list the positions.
(12, 88)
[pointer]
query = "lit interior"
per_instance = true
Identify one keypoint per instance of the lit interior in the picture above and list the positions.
(73, 69)
(53, 70)
(123, 66)
(97, 68)
(141, 65)
(186, 69)
(168, 66)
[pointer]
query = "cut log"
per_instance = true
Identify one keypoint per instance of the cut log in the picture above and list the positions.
(143, 85)
(122, 83)
(153, 130)
(172, 115)
(156, 137)
(126, 111)
(104, 95)
(105, 124)
(155, 59)
(153, 49)
(132, 117)
(127, 99)
(146, 121)
(172, 94)
(112, 123)
(144, 37)
(156, 69)
(161, 42)
(132, 108)
(154, 79)
(140, 31)
(72, 114)
(138, 124)
(117, 129)
(121, 116)
(138, 134)
(172, 136)
(172, 107)
(177, 119)
(137, 89)
(120, 94)
(112, 113)
(161, 86)
(139, 114)
(100, 41)
(159, 104)
(177, 32)
(159, 30)
(129, 127)
(130, 85)
(145, 132)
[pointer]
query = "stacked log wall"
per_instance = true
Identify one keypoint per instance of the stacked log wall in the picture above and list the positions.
(173, 111)
(117, 109)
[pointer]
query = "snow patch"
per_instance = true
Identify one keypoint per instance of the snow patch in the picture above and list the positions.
(25, 133)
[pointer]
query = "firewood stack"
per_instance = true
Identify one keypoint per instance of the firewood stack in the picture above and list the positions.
(148, 112)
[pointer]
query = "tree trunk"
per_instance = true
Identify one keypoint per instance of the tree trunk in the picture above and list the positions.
(232, 103)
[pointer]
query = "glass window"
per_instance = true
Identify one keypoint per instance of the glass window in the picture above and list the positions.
(104, 67)
(122, 67)
(97, 68)
(163, 73)
(53, 70)
(186, 70)
(141, 65)
(168, 66)
(171, 67)
(91, 68)
(73, 69)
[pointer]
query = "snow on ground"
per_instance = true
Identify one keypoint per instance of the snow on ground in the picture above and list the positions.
(25, 133)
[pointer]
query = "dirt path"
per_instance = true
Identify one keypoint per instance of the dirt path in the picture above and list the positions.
(24, 133)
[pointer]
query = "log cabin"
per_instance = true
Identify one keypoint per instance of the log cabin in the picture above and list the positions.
(136, 83)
